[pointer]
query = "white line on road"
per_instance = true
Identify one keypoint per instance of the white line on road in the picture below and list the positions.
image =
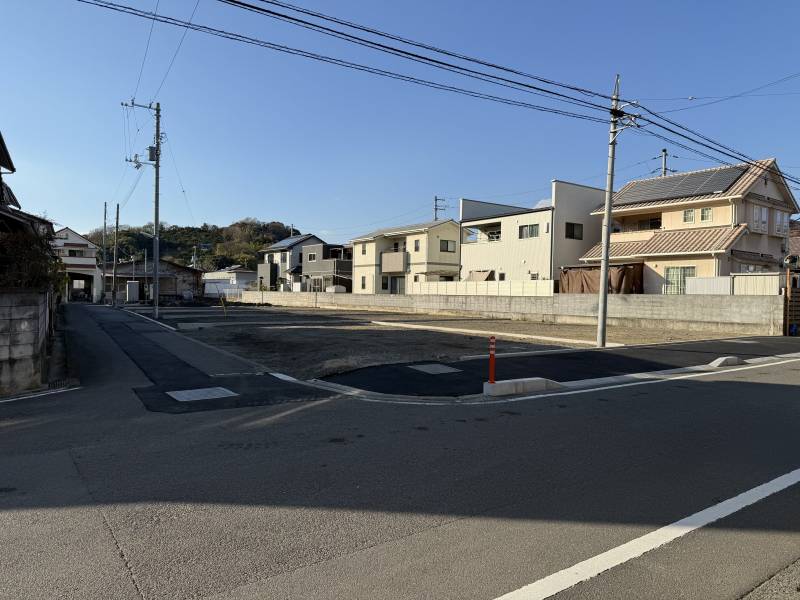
(584, 570)
(47, 393)
(133, 312)
(500, 334)
(286, 413)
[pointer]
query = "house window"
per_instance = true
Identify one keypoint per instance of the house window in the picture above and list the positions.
(363, 249)
(396, 247)
(445, 278)
(384, 283)
(416, 245)
(75, 253)
(363, 282)
(416, 278)
(501, 277)
(675, 279)
(706, 214)
(574, 231)
(493, 235)
(528, 231)
(312, 257)
(760, 217)
(447, 245)
(649, 224)
(688, 215)
(781, 223)
(534, 276)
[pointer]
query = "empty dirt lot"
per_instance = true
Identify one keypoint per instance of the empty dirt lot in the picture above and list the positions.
(310, 343)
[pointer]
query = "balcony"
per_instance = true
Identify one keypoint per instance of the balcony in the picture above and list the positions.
(394, 262)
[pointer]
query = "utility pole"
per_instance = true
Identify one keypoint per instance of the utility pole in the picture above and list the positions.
(438, 206)
(155, 160)
(114, 267)
(105, 216)
(664, 169)
(602, 304)
(145, 273)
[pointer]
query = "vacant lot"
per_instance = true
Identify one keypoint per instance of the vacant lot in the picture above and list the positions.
(309, 343)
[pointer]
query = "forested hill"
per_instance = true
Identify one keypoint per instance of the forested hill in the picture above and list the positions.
(217, 247)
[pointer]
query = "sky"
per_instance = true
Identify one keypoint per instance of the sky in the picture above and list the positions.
(255, 133)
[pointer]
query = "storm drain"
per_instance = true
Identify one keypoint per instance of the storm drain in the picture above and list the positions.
(211, 393)
(434, 369)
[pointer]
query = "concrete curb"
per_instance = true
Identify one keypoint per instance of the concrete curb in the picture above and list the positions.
(511, 387)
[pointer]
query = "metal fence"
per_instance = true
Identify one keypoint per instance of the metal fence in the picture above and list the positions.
(539, 287)
(740, 284)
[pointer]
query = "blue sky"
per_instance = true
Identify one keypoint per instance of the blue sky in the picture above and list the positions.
(259, 134)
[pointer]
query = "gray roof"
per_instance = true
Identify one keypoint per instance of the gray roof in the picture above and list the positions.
(288, 242)
(680, 185)
(401, 229)
(521, 211)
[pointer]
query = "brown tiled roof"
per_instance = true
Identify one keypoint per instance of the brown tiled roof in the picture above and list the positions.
(677, 241)
(738, 188)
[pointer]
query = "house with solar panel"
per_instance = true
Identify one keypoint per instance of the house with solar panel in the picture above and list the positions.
(707, 223)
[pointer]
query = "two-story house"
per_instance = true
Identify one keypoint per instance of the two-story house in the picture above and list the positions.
(282, 266)
(731, 219)
(79, 255)
(235, 277)
(501, 242)
(326, 266)
(384, 259)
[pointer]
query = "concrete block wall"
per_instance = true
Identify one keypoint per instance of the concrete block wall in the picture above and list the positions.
(24, 327)
(744, 315)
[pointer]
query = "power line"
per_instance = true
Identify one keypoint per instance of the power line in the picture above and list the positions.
(180, 181)
(146, 49)
(475, 74)
(175, 54)
(336, 61)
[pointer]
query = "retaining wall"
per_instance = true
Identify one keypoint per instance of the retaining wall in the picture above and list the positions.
(24, 330)
(745, 315)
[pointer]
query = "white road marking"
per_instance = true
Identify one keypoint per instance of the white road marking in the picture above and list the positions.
(476, 332)
(283, 376)
(585, 570)
(47, 393)
(286, 413)
(133, 312)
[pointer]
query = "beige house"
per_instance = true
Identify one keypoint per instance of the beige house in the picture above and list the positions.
(384, 260)
(511, 243)
(732, 219)
(79, 255)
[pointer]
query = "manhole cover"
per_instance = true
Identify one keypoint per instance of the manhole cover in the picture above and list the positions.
(434, 369)
(211, 393)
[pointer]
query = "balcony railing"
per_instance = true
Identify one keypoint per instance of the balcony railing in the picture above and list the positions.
(394, 262)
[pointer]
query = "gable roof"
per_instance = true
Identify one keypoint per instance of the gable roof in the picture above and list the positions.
(401, 230)
(7, 197)
(83, 237)
(717, 183)
(5, 156)
(665, 242)
(289, 242)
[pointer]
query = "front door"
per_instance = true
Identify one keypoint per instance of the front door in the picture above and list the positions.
(397, 285)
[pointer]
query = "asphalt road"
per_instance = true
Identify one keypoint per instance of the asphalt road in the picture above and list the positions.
(336, 497)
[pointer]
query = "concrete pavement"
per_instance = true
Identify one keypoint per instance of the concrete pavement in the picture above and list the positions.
(102, 498)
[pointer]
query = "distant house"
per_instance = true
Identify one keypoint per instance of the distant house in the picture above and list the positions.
(501, 242)
(327, 265)
(235, 277)
(731, 219)
(383, 259)
(79, 255)
(794, 238)
(283, 262)
(176, 281)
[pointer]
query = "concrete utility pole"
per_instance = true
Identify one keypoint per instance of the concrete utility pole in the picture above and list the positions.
(114, 266)
(155, 160)
(602, 303)
(664, 169)
(105, 216)
(437, 207)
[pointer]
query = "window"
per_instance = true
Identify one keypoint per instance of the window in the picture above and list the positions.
(75, 253)
(675, 279)
(384, 283)
(781, 223)
(707, 214)
(445, 278)
(447, 245)
(363, 249)
(493, 235)
(416, 278)
(574, 231)
(363, 281)
(300, 258)
(649, 224)
(312, 257)
(501, 277)
(396, 246)
(760, 217)
(688, 215)
(416, 245)
(528, 231)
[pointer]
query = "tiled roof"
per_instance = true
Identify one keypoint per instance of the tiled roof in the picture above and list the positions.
(401, 229)
(738, 188)
(678, 241)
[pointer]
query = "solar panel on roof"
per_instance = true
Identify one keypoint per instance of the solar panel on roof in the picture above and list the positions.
(685, 185)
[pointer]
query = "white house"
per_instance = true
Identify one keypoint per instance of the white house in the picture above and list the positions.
(235, 277)
(79, 255)
(500, 242)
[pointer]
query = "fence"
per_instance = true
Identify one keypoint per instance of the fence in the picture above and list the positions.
(740, 284)
(539, 287)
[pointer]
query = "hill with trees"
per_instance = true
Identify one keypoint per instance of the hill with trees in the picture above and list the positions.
(217, 247)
